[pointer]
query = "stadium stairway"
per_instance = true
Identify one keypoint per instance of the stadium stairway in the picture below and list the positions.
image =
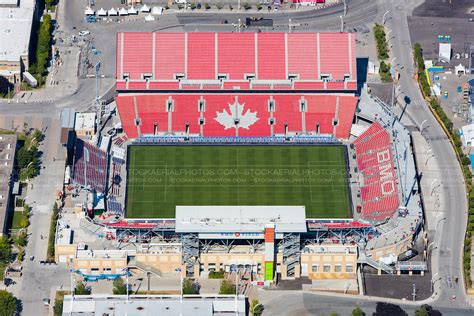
(133, 264)
(375, 264)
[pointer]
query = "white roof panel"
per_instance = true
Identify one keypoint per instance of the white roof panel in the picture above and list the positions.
(15, 30)
(207, 219)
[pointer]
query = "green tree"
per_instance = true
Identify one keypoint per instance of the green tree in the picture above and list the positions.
(21, 241)
(24, 221)
(227, 287)
(7, 303)
(5, 249)
(58, 308)
(189, 287)
(21, 255)
(256, 308)
(120, 288)
(81, 289)
(358, 312)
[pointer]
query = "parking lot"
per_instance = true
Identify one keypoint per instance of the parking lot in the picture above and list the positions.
(434, 18)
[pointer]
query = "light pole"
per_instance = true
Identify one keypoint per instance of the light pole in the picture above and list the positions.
(439, 221)
(421, 126)
(384, 16)
(345, 8)
(342, 23)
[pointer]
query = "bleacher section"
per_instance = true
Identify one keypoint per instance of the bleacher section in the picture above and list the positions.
(378, 183)
(199, 61)
(90, 166)
(230, 115)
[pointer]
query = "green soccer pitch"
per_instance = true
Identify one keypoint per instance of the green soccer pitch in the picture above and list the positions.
(161, 177)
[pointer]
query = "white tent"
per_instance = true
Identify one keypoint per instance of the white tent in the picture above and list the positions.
(149, 18)
(89, 11)
(132, 10)
(102, 12)
(123, 11)
(145, 8)
(113, 12)
(157, 10)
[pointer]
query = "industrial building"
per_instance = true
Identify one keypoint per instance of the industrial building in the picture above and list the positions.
(7, 159)
(16, 22)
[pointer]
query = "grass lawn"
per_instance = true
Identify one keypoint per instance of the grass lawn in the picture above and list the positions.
(17, 215)
(161, 177)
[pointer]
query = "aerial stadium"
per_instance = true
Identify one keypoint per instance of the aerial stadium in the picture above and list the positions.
(252, 153)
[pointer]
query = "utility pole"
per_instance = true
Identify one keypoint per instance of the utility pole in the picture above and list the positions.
(384, 15)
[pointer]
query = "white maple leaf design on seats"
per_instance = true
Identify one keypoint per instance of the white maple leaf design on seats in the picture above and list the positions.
(236, 118)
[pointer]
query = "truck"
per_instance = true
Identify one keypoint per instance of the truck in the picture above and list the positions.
(258, 21)
(30, 79)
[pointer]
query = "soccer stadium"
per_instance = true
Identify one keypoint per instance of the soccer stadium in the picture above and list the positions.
(251, 153)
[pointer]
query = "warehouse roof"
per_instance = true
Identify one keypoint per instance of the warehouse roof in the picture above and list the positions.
(15, 30)
(223, 219)
(153, 305)
(224, 59)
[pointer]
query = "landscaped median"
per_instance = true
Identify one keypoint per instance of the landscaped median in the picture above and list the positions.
(52, 233)
(382, 52)
(464, 160)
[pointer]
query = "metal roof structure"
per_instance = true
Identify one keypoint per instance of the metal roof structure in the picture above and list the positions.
(153, 305)
(208, 219)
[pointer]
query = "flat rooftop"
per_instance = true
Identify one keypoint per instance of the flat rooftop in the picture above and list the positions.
(99, 305)
(207, 219)
(15, 29)
(7, 157)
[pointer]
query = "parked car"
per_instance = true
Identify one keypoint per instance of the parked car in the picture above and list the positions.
(84, 33)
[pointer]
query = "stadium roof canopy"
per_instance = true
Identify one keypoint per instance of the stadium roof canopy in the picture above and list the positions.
(236, 61)
(222, 219)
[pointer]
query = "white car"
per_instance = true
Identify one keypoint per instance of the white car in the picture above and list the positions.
(84, 33)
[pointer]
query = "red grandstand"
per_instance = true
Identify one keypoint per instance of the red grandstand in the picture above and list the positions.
(236, 84)
(378, 182)
(236, 114)
(231, 61)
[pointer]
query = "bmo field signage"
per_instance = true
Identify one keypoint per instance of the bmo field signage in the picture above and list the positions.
(387, 178)
(236, 235)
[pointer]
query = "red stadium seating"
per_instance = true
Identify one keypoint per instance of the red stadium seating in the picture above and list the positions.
(151, 111)
(271, 56)
(201, 56)
(169, 55)
(321, 109)
(287, 111)
(375, 162)
(138, 51)
(236, 60)
(126, 111)
(302, 48)
(334, 55)
(186, 112)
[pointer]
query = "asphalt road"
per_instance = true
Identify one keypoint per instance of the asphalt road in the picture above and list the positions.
(298, 303)
(447, 250)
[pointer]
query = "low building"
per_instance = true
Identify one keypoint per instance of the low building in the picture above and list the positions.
(7, 159)
(154, 305)
(16, 21)
(85, 124)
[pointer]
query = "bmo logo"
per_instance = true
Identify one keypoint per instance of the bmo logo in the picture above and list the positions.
(387, 179)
